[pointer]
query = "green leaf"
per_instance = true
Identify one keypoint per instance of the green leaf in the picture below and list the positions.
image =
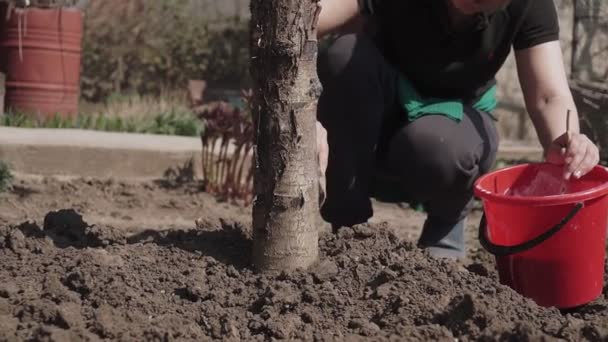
(6, 177)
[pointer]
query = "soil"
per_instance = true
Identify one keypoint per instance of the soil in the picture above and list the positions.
(107, 260)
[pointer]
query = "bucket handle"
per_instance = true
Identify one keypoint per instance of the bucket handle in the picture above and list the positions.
(501, 251)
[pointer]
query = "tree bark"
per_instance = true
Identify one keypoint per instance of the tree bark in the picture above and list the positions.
(286, 91)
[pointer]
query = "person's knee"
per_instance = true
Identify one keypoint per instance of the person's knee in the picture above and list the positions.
(436, 161)
(334, 59)
(450, 163)
(347, 54)
(357, 82)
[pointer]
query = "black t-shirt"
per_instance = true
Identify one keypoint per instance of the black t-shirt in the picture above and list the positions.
(414, 36)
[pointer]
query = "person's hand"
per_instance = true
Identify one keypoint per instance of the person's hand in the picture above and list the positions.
(576, 152)
(322, 147)
(322, 156)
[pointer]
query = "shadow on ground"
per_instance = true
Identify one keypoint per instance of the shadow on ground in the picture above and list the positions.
(230, 244)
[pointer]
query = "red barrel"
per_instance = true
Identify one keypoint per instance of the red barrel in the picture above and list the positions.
(41, 53)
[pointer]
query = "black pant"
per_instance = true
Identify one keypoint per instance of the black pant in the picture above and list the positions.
(433, 160)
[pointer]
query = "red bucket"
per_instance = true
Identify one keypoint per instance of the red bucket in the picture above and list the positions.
(549, 244)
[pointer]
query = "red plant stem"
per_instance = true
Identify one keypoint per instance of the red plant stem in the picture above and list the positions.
(206, 171)
(223, 161)
(230, 181)
(216, 163)
(203, 156)
(249, 182)
(211, 162)
(239, 179)
(227, 165)
(206, 158)
(248, 195)
(222, 165)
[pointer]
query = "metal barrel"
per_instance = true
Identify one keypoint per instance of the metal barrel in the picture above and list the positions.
(41, 54)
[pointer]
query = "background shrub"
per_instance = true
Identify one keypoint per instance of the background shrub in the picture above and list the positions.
(6, 176)
(146, 47)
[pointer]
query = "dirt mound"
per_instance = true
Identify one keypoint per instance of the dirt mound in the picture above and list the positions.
(71, 280)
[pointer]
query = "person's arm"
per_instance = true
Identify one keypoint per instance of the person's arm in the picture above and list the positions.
(548, 98)
(546, 92)
(337, 15)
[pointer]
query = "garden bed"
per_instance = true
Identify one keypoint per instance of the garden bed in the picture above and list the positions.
(86, 259)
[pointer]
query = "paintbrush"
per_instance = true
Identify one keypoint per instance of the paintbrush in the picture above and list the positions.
(565, 181)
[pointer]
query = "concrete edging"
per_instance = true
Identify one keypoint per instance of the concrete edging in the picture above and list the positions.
(74, 152)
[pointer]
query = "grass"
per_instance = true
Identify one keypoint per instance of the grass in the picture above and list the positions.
(6, 177)
(167, 115)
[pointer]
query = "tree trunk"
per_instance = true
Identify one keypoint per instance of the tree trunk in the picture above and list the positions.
(286, 89)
